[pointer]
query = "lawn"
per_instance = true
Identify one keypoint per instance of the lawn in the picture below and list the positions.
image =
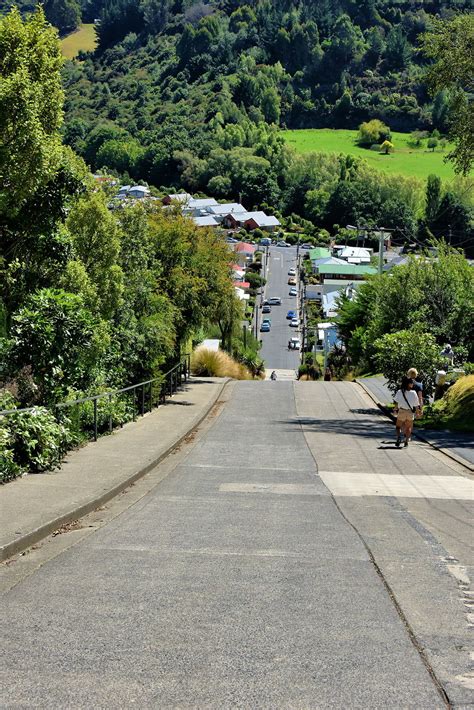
(82, 39)
(416, 162)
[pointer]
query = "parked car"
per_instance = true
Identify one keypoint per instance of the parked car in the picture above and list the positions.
(266, 308)
(265, 328)
(295, 323)
(231, 240)
(291, 314)
(294, 344)
(306, 246)
(275, 301)
(292, 281)
(293, 292)
(291, 272)
(267, 320)
(266, 241)
(282, 244)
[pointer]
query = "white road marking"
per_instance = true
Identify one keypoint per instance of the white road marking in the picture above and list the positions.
(295, 489)
(350, 483)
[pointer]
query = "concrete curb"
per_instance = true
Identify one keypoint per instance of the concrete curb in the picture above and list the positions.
(24, 541)
(417, 434)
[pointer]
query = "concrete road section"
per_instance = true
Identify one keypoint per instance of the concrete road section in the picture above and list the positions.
(414, 510)
(240, 581)
(275, 343)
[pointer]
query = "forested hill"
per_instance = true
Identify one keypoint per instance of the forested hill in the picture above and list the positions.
(168, 75)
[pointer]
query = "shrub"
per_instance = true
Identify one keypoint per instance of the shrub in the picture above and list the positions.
(460, 401)
(9, 469)
(210, 363)
(37, 440)
(309, 371)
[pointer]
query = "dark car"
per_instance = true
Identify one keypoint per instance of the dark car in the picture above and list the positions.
(291, 314)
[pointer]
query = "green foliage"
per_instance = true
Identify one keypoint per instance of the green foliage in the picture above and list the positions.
(59, 339)
(63, 14)
(449, 45)
(373, 131)
(396, 352)
(35, 439)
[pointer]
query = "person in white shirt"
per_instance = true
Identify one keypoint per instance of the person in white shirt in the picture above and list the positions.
(406, 405)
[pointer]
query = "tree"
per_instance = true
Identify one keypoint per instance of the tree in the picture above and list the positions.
(60, 340)
(397, 50)
(397, 352)
(387, 147)
(432, 143)
(63, 14)
(449, 45)
(433, 198)
(31, 100)
(371, 132)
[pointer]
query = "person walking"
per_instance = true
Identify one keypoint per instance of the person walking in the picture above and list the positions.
(417, 385)
(273, 376)
(406, 405)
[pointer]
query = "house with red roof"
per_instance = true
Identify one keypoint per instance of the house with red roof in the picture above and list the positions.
(243, 252)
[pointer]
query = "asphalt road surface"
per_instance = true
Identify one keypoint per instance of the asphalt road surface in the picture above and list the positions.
(275, 343)
(291, 558)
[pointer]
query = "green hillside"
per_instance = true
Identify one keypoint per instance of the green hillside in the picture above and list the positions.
(406, 160)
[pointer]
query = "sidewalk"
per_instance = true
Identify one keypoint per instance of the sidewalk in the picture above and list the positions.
(34, 506)
(455, 444)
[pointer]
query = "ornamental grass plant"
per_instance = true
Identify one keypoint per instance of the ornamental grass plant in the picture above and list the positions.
(211, 363)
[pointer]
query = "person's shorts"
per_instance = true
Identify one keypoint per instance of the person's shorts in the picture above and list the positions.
(405, 415)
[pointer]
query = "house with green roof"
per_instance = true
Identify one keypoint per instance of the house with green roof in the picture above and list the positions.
(319, 253)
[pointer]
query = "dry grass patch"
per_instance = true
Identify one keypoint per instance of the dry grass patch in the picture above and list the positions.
(211, 363)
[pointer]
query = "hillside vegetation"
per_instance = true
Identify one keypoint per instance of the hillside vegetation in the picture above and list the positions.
(406, 159)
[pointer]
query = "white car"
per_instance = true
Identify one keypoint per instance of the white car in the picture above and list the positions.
(294, 344)
(291, 272)
(295, 323)
(293, 292)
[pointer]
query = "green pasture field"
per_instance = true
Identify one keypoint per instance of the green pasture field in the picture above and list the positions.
(413, 162)
(82, 39)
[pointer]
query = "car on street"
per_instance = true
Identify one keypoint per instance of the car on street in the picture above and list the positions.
(282, 244)
(293, 292)
(275, 301)
(295, 323)
(292, 281)
(266, 308)
(291, 314)
(265, 327)
(231, 240)
(306, 246)
(291, 272)
(294, 344)
(265, 242)
(267, 320)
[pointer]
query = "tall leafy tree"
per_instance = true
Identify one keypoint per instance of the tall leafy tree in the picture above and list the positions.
(449, 45)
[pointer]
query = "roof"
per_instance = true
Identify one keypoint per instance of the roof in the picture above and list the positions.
(354, 253)
(319, 253)
(194, 204)
(125, 188)
(139, 188)
(347, 269)
(262, 219)
(244, 247)
(207, 221)
(328, 260)
(227, 208)
(241, 284)
(180, 197)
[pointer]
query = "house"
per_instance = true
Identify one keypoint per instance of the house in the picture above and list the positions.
(179, 198)
(220, 212)
(240, 293)
(347, 272)
(206, 221)
(241, 284)
(243, 253)
(237, 272)
(198, 207)
(316, 263)
(251, 220)
(139, 192)
(123, 192)
(354, 255)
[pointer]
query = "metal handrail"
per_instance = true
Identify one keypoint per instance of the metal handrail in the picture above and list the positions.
(169, 381)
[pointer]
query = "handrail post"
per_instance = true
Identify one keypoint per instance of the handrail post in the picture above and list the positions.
(134, 403)
(95, 419)
(171, 384)
(143, 400)
(151, 395)
(110, 413)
